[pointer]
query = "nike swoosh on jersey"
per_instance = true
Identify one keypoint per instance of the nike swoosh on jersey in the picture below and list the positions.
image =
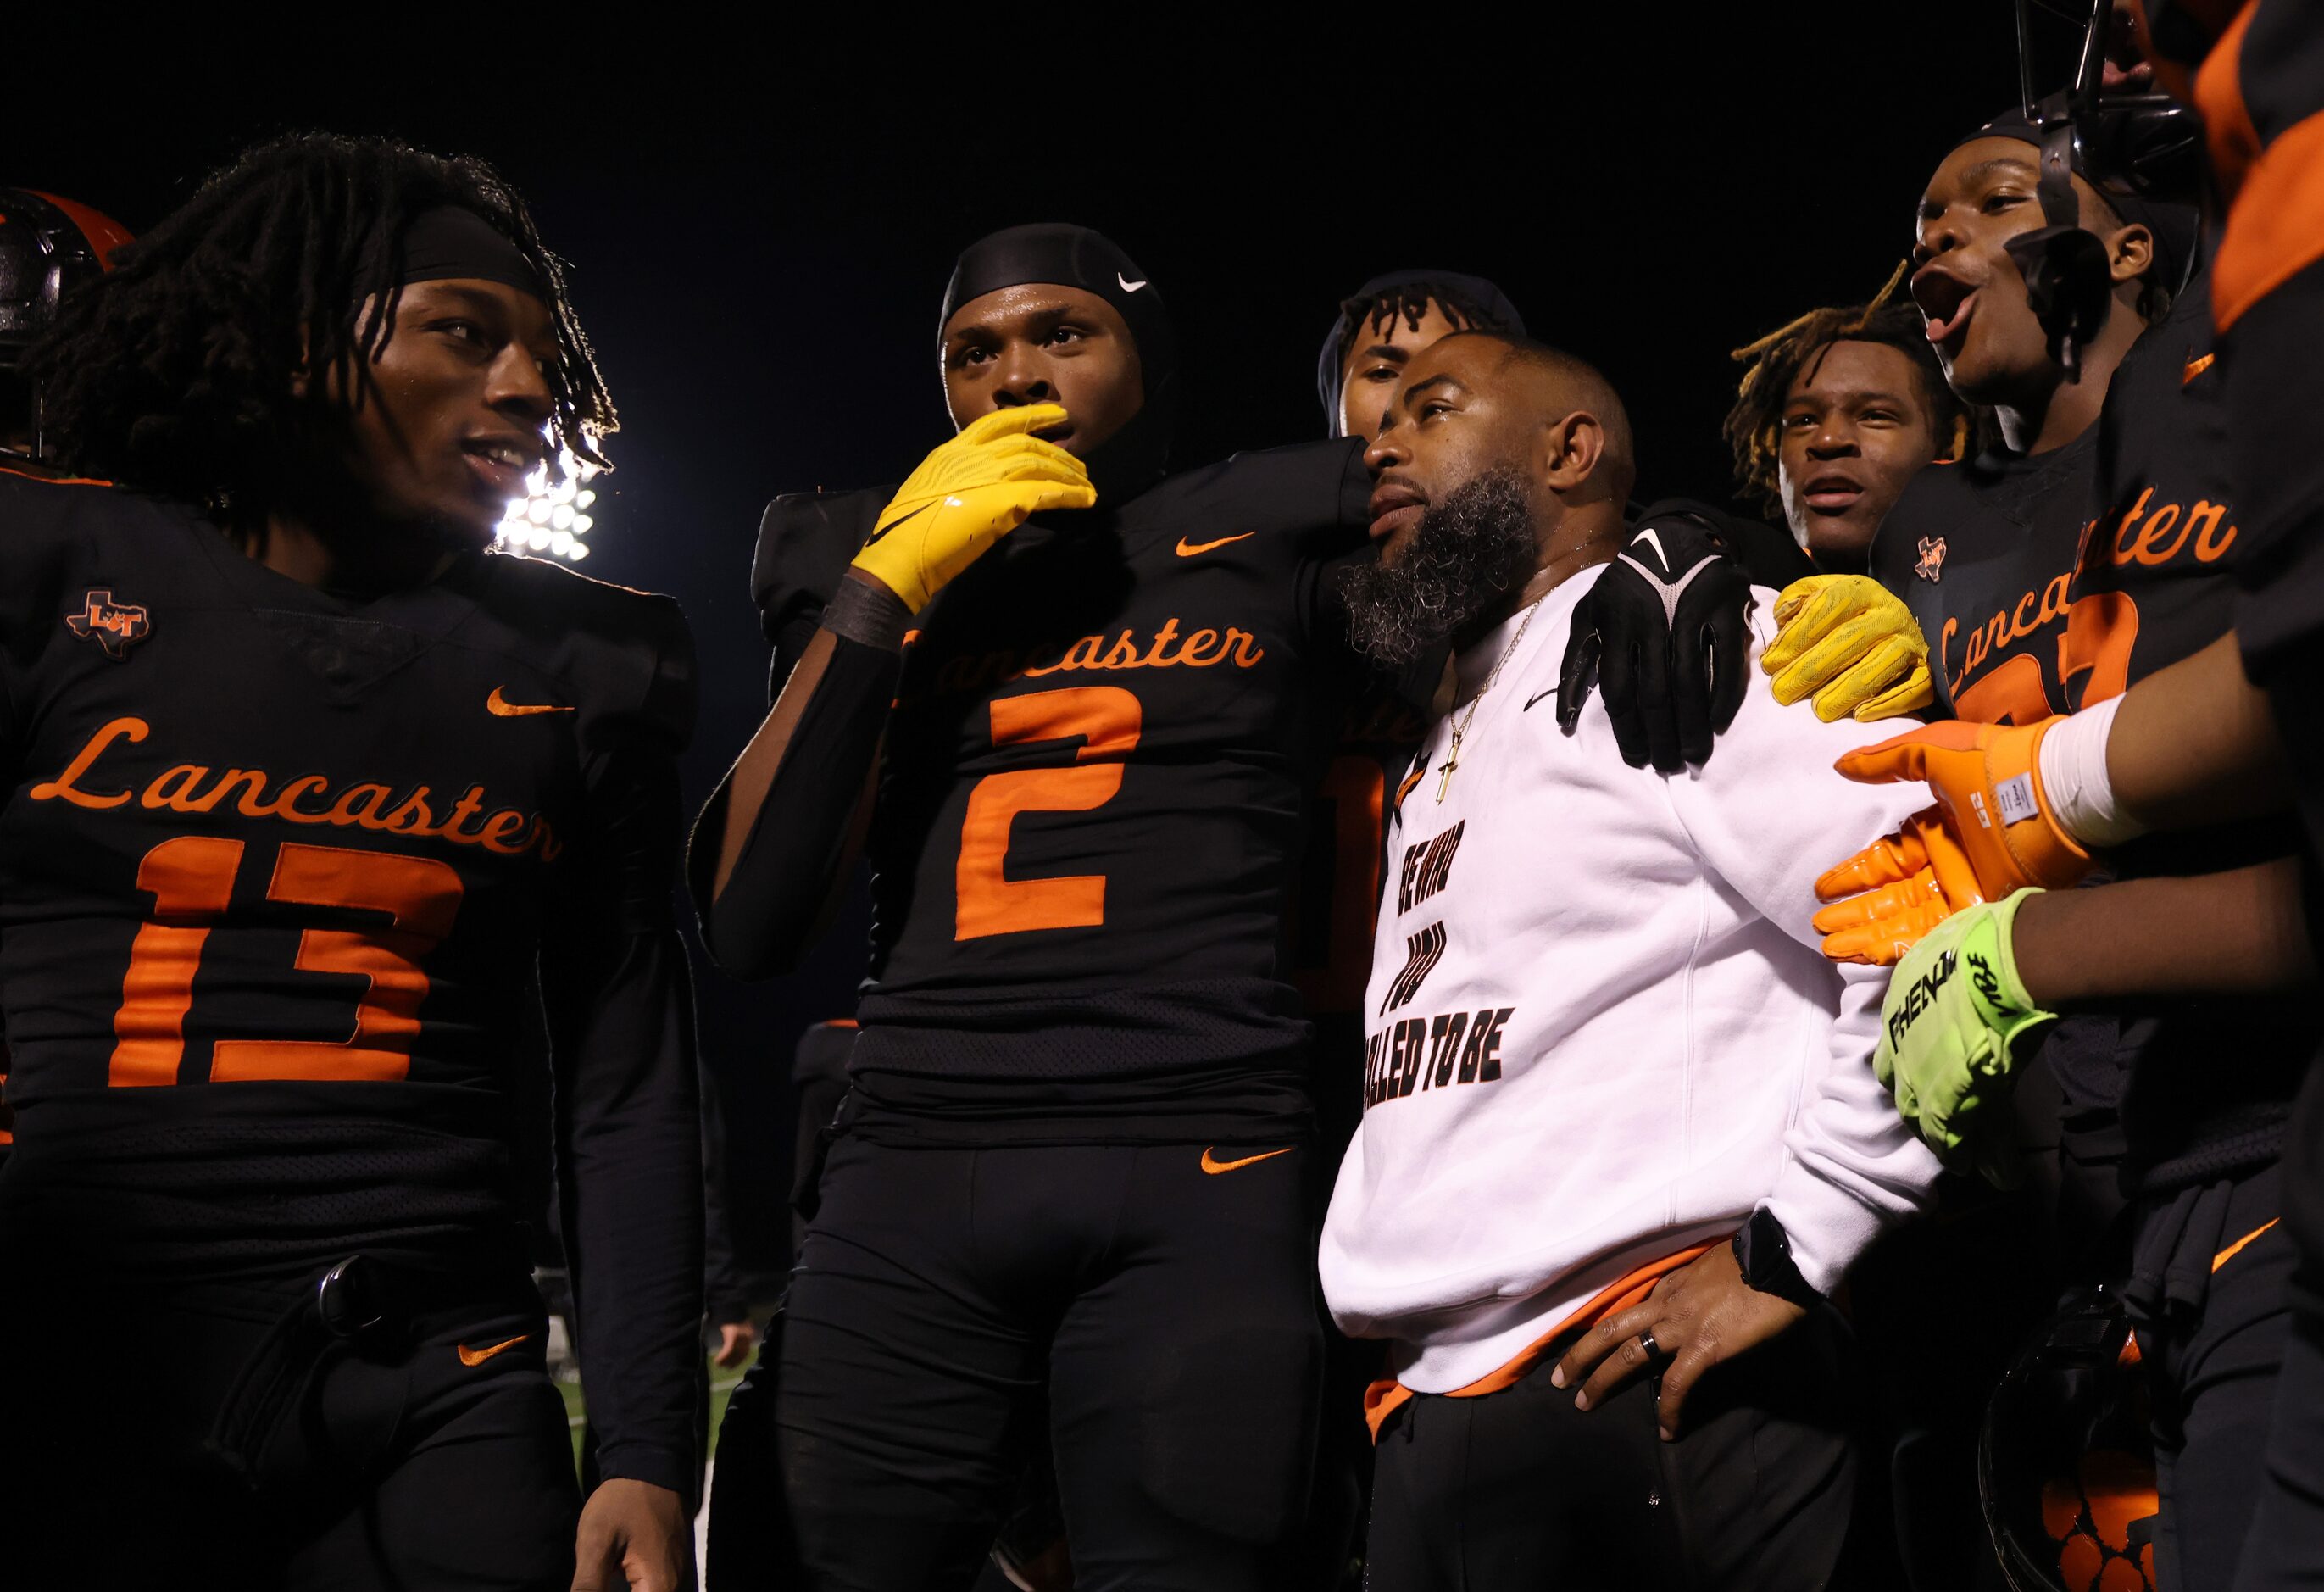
(2196, 367)
(499, 707)
(1214, 1165)
(1537, 697)
(473, 1357)
(1187, 552)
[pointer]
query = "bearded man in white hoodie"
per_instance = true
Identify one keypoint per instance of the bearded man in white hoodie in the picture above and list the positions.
(1622, 1136)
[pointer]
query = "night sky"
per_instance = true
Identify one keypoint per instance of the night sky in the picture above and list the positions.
(761, 232)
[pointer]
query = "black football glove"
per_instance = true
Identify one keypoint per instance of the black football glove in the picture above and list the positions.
(1663, 635)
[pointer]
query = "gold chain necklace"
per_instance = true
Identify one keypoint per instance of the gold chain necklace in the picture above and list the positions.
(1452, 753)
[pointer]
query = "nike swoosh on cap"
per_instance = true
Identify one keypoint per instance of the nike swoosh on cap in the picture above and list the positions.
(499, 707)
(1187, 550)
(473, 1357)
(1214, 1165)
(1128, 286)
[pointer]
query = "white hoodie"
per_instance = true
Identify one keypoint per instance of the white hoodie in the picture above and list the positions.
(1664, 1048)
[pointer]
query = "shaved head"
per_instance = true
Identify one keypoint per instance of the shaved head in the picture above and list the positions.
(1553, 383)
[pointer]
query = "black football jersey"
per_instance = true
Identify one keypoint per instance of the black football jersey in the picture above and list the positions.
(2049, 584)
(1106, 740)
(275, 872)
(2157, 582)
(1983, 552)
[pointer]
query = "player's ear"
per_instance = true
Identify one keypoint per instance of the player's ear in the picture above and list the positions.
(2129, 252)
(1571, 448)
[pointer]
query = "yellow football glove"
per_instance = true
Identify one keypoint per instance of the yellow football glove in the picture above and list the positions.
(1852, 645)
(967, 495)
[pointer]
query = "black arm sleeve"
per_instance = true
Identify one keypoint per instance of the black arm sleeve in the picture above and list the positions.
(620, 1006)
(766, 917)
(725, 1286)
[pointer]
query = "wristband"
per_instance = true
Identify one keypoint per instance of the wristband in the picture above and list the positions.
(867, 614)
(2073, 761)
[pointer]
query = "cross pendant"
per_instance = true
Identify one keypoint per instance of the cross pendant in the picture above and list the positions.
(1451, 761)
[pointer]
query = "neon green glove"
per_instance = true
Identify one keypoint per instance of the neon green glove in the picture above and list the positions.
(1847, 641)
(1950, 1029)
(967, 495)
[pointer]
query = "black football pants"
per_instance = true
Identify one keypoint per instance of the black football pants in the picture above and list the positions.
(2285, 1546)
(1519, 1491)
(2212, 1359)
(1159, 1316)
(186, 1440)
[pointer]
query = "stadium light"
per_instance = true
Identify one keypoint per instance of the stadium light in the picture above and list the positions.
(552, 517)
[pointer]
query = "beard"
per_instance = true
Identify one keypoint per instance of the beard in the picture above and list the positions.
(1466, 554)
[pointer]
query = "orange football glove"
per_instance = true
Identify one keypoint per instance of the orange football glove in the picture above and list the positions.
(1894, 891)
(1987, 779)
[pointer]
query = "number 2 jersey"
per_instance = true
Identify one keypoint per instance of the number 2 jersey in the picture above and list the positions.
(278, 877)
(2050, 583)
(1096, 772)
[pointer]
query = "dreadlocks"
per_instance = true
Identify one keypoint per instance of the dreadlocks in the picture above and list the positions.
(1409, 301)
(1776, 360)
(175, 374)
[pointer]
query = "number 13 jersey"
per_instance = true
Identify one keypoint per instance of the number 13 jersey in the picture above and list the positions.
(276, 872)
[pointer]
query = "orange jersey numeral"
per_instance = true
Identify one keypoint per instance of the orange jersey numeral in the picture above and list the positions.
(2100, 630)
(2013, 692)
(191, 880)
(986, 901)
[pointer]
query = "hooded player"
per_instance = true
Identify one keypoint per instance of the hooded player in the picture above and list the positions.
(1073, 1174)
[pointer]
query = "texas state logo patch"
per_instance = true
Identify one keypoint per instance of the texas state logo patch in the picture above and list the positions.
(114, 626)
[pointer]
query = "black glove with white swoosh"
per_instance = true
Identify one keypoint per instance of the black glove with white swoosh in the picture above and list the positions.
(1663, 635)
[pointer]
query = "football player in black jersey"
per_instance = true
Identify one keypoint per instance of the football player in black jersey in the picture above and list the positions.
(306, 796)
(1836, 413)
(2097, 549)
(2196, 743)
(1071, 1174)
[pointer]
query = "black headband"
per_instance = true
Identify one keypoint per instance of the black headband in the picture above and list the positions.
(454, 241)
(1065, 255)
(1075, 257)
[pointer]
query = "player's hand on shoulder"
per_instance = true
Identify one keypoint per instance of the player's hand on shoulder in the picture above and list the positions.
(968, 494)
(633, 1535)
(1664, 635)
(1852, 646)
